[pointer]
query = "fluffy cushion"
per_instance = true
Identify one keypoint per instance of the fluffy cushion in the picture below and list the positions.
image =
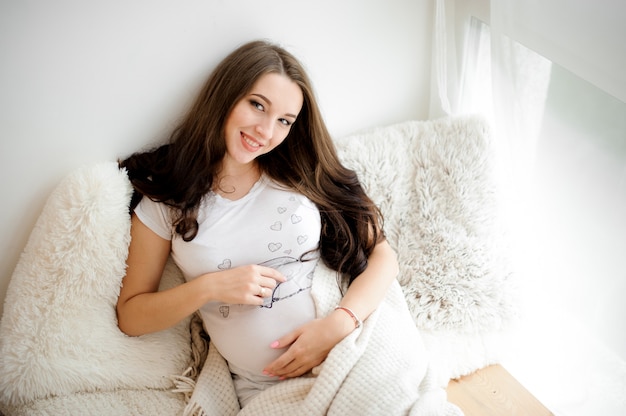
(436, 185)
(59, 332)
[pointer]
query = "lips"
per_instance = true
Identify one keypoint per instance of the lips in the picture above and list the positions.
(250, 143)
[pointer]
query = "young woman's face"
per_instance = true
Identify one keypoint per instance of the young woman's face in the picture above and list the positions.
(261, 120)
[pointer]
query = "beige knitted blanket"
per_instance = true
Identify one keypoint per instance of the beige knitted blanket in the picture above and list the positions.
(380, 369)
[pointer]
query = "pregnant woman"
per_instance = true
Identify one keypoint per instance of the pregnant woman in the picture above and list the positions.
(247, 197)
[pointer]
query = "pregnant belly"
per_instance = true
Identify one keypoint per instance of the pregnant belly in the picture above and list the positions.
(243, 333)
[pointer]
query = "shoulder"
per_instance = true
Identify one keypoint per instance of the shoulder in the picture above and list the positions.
(155, 215)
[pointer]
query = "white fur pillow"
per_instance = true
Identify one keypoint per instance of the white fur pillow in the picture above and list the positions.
(59, 332)
(435, 182)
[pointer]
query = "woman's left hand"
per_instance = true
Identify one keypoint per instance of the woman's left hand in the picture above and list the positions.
(309, 345)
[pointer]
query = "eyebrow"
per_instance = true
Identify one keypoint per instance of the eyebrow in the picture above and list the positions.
(270, 103)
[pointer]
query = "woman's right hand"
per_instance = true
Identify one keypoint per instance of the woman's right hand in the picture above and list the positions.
(245, 285)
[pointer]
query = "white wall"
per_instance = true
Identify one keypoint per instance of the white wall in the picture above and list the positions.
(86, 81)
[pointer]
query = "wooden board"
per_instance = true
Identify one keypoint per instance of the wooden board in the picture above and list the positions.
(492, 391)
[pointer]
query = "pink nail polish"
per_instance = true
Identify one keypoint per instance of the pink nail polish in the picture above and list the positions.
(274, 344)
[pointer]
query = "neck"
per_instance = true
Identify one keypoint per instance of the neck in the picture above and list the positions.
(235, 182)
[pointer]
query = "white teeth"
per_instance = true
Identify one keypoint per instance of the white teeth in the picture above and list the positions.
(251, 143)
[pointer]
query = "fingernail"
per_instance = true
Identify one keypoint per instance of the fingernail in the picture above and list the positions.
(274, 344)
(266, 373)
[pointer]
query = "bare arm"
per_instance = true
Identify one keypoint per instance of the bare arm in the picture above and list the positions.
(142, 309)
(370, 287)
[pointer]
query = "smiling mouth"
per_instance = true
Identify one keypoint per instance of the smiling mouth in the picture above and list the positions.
(253, 144)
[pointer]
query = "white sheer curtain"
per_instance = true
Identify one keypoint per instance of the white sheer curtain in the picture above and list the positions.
(497, 78)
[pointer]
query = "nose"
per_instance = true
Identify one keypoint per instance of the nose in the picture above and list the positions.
(265, 129)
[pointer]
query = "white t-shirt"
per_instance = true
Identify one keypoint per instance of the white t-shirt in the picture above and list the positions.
(270, 226)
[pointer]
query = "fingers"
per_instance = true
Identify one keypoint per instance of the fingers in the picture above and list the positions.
(280, 367)
(265, 292)
(284, 364)
(287, 367)
(297, 372)
(306, 347)
(268, 280)
(286, 340)
(264, 289)
(267, 284)
(248, 285)
(273, 274)
(251, 293)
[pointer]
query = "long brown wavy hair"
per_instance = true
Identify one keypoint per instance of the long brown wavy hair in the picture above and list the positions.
(182, 172)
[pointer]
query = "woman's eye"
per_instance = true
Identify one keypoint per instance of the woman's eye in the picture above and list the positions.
(285, 122)
(257, 105)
